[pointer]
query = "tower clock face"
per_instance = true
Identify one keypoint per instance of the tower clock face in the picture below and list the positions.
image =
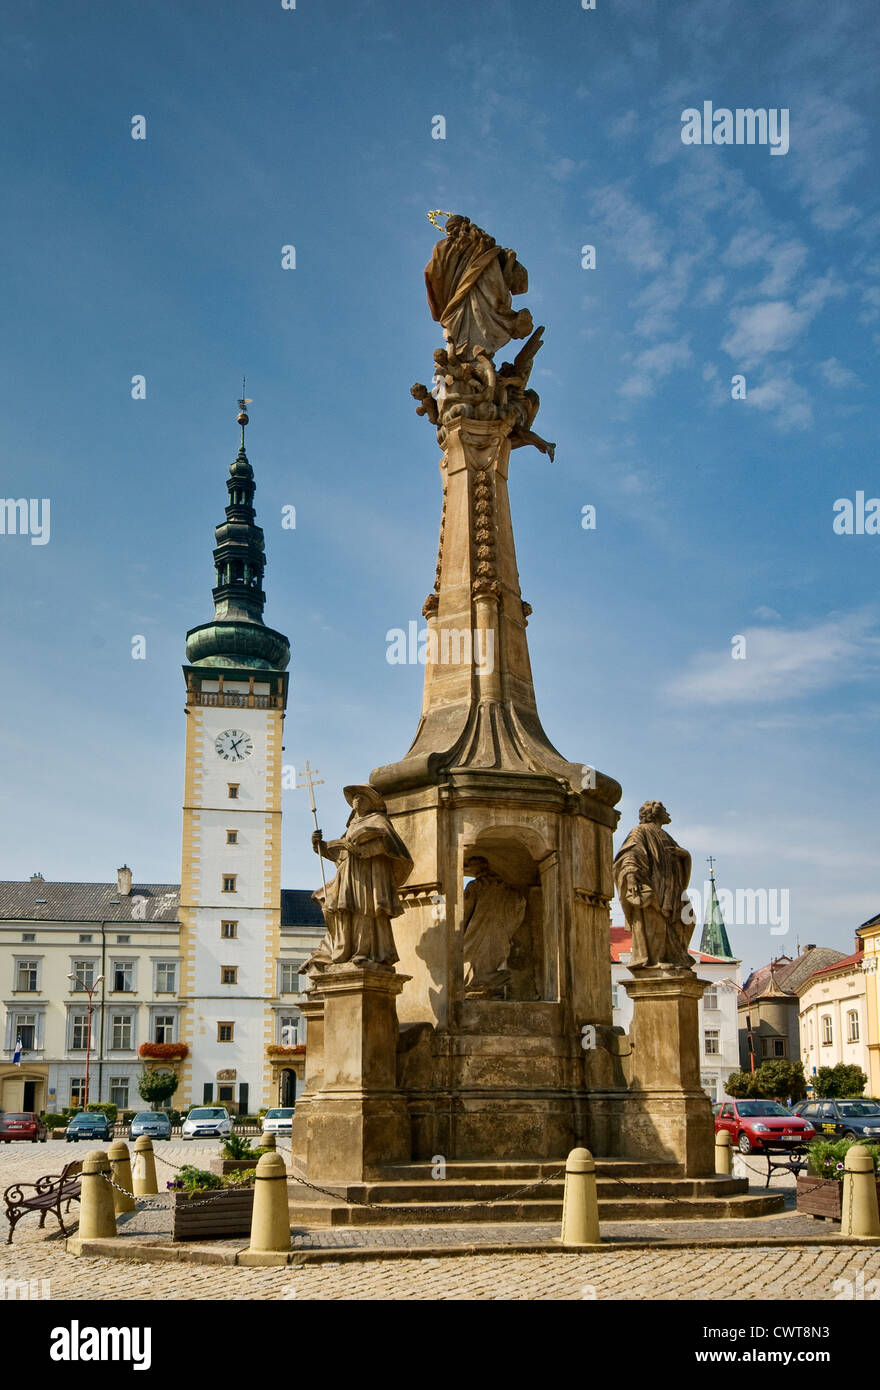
(234, 745)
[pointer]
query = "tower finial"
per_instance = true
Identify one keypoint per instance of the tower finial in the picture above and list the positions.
(243, 404)
(710, 860)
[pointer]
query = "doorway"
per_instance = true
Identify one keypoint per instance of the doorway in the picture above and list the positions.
(29, 1103)
(288, 1087)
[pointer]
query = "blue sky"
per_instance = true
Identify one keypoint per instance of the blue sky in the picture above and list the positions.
(312, 127)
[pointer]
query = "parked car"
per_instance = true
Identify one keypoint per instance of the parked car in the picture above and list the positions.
(155, 1124)
(88, 1124)
(849, 1119)
(753, 1124)
(205, 1120)
(22, 1124)
(278, 1120)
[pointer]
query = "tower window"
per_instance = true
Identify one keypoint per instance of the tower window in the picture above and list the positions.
(229, 974)
(229, 930)
(232, 837)
(233, 790)
(225, 1032)
(229, 883)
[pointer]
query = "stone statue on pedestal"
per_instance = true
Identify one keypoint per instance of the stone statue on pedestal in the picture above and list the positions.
(493, 913)
(651, 874)
(358, 904)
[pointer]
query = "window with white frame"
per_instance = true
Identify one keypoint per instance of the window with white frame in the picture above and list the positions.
(852, 1026)
(120, 1033)
(288, 1030)
(25, 1028)
(77, 1091)
(79, 1032)
(119, 1091)
(83, 972)
(163, 1028)
(27, 976)
(827, 1030)
(710, 997)
(615, 996)
(288, 978)
(122, 976)
(166, 977)
(712, 1041)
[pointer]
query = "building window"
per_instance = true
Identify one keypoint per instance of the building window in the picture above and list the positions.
(615, 996)
(29, 936)
(712, 1041)
(229, 930)
(229, 974)
(852, 1026)
(232, 788)
(166, 977)
(84, 937)
(288, 978)
(288, 1030)
(232, 837)
(225, 1094)
(827, 1030)
(225, 1032)
(120, 1032)
(710, 998)
(119, 1091)
(26, 1029)
(710, 1086)
(773, 1047)
(26, 976)
(163, 1028)
(123, 940)
(77, 1091)
(123, 976)
(79, 1032)
(84, 970)
(229, 883)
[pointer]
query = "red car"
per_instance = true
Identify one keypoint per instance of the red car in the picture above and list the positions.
(752, 1124)
(22, 1124)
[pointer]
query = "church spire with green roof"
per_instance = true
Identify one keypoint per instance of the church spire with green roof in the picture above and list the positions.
(237, 636)
(714, 940)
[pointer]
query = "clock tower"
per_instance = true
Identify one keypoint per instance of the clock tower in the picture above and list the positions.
(230, 884)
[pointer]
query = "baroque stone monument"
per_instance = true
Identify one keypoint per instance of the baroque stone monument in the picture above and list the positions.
(489, 851)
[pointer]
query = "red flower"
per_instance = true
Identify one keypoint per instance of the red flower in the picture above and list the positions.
(164, 1052)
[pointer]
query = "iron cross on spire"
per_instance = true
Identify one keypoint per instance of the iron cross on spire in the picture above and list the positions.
(244, 402)
(311, 781)
(710, 860)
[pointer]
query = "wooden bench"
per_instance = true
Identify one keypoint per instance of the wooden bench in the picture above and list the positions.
(795, 1159)
(46, 1194)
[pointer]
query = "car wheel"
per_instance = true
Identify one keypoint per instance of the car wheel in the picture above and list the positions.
(744, 1143)
(850, 1135)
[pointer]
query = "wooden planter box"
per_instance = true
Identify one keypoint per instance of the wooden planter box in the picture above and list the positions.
(821, 1197)
(212, 1215)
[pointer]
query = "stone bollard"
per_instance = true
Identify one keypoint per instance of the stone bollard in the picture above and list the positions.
(267, 1141)
(859, 1214)
(580, 1207)
(97, 1219)
(270, 1224)
(120, 1171)
(723, 1153)
(144, 1168)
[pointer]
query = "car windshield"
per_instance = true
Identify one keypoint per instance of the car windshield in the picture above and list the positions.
(90, 1119)
(749, 1109)
(207, 1114)
(859, 1107)
(15, 1115)
(279, 1114)
(150, 1115)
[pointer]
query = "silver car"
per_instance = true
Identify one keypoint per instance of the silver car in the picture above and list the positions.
(206, 1120)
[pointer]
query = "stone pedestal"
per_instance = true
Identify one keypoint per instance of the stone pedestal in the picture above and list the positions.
(351, 1119)
(667, 1114)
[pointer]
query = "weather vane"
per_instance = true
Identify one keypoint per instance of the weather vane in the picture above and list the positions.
(432, 218)
(244, 402)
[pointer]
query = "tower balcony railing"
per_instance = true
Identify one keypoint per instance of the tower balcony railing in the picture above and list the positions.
(235, 700)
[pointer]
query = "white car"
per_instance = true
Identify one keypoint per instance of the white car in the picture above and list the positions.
(206, 1120)
(279, 1120)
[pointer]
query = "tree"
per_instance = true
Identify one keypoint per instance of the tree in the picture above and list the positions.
(157, 1086)
(782, 1079)
(741, 1085)
(842, 1080)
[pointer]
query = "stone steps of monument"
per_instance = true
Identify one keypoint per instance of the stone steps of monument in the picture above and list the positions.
(310, 1212)
(463, 1190)
(524, 1170)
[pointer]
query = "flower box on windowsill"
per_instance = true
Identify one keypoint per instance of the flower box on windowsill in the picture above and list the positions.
(164, 1052)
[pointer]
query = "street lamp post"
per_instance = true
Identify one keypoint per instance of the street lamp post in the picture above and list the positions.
(90, 991)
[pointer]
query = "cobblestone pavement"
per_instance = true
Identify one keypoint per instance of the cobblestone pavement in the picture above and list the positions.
(756, 1273)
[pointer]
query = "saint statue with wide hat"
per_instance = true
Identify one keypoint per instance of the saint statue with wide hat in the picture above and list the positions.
(372, 862)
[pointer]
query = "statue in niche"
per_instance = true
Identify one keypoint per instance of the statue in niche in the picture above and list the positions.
(493, 913)
(651, 873)
(470, 281)
(371, 864)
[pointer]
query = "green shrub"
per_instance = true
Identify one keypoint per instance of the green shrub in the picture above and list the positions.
(156, 1086)
(104, 1107)
(245, 1178)
(192, 1179)
(53, 1121)
(840, 1081)
(238, 1146)
(825, 1157)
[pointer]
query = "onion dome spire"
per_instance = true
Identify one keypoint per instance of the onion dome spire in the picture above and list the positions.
(237, 636)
